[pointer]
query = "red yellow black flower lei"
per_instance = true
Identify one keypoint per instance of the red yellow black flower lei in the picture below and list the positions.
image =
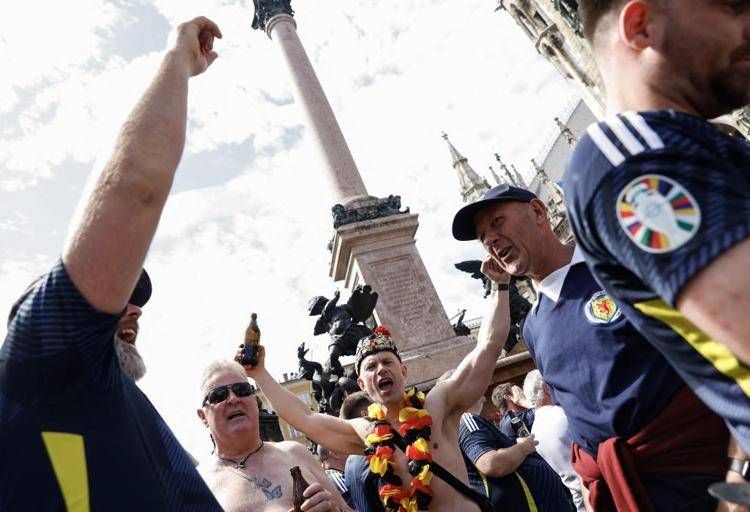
(415, 429)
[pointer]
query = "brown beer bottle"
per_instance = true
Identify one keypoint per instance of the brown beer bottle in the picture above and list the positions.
(252, 339)
(299, 484)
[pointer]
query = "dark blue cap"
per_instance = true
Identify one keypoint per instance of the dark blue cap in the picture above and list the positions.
(139, 297)
(463, 222)
(142, 291)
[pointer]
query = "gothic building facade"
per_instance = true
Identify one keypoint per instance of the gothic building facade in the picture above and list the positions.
(554, 28)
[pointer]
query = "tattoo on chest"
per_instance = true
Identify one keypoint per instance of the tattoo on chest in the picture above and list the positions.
(264, 485)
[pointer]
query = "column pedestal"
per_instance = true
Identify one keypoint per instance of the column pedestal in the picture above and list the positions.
(382, 253)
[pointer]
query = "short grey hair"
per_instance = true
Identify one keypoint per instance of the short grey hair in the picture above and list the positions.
(221, 365)
(533, 387)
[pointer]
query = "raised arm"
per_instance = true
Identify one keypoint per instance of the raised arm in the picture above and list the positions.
(335, 433)
(106, 248)
(469, 381)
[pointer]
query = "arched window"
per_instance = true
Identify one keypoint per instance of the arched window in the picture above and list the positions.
(569, 11)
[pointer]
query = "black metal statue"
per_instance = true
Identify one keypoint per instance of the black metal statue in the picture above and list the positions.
(382, 207)
(519, 306)
(267, 9)
(329, 390)
(343, 322)
(460, 328)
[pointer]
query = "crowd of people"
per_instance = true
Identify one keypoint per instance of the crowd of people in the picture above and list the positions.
(639, 332)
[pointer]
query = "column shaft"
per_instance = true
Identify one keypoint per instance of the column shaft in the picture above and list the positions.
(340, 166)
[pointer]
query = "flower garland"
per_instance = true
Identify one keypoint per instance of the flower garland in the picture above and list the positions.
(415, 429)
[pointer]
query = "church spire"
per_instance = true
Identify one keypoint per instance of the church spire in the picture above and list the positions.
(514, 178)
(472, 185)
(566, 132)
(495, 176)
(519, 178)
(556, 201)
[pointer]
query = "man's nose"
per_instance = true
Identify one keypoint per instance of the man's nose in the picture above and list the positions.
(491, 238)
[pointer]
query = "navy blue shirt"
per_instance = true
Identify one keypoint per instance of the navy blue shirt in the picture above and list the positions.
(609, 380)
(534, 485)
(653, 198)
(76, 431)
(338, 479)
(363, 487)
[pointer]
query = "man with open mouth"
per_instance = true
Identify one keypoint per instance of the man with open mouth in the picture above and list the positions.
(249, 474)
(411, 440)
(77, 432)
(126, 334)
(618, 392)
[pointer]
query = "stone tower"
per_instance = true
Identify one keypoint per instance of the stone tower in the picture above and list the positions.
(374, 240)
(472, 185)
(555, 30)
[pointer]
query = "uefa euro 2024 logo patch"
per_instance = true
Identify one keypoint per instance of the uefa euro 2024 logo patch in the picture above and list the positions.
(657, 213)
(601, 309)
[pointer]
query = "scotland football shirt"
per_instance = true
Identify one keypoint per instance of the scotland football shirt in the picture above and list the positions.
(653, 198)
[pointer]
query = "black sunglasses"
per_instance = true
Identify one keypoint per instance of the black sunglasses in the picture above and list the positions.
(218, 395)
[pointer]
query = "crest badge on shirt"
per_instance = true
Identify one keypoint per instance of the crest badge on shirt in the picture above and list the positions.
(657, 213)
(601, 309)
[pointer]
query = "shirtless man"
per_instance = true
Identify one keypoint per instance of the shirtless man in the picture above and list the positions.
(383, 377)
(249, 474)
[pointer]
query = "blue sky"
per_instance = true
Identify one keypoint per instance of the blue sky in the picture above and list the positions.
(246, 226)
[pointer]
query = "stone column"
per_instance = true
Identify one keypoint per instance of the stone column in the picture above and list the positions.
(374, 240)
(339, 163)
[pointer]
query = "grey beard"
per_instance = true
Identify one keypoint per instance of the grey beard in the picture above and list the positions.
(130, 360)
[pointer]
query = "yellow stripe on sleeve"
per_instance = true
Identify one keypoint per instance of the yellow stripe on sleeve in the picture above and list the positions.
(68, 456)
(527, 492)
(717, 354)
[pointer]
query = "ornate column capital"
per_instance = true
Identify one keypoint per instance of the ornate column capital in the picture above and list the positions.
(267, 9)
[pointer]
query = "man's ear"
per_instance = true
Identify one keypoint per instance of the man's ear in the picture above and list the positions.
(540, 209)
(633, 24)
(361, 383)
(202, 416)
(404, 370)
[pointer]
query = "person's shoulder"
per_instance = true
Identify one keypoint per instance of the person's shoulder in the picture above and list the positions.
(360, 425)
(547, 413)
(287, 447)
(608, 144)
(473, 422)
(631, 138)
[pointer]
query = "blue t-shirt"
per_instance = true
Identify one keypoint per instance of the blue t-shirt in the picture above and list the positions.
(653, 198)
(363, 487)
(77, 433)
(338, 479)
(609, 380)
(534, 485)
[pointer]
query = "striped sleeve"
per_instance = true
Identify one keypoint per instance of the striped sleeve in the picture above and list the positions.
(337, 477)
(59, 335)
(475, 438)
(662, 212)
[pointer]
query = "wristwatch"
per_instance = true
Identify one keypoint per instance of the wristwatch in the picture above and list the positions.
(499, 286)
(741, 467)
